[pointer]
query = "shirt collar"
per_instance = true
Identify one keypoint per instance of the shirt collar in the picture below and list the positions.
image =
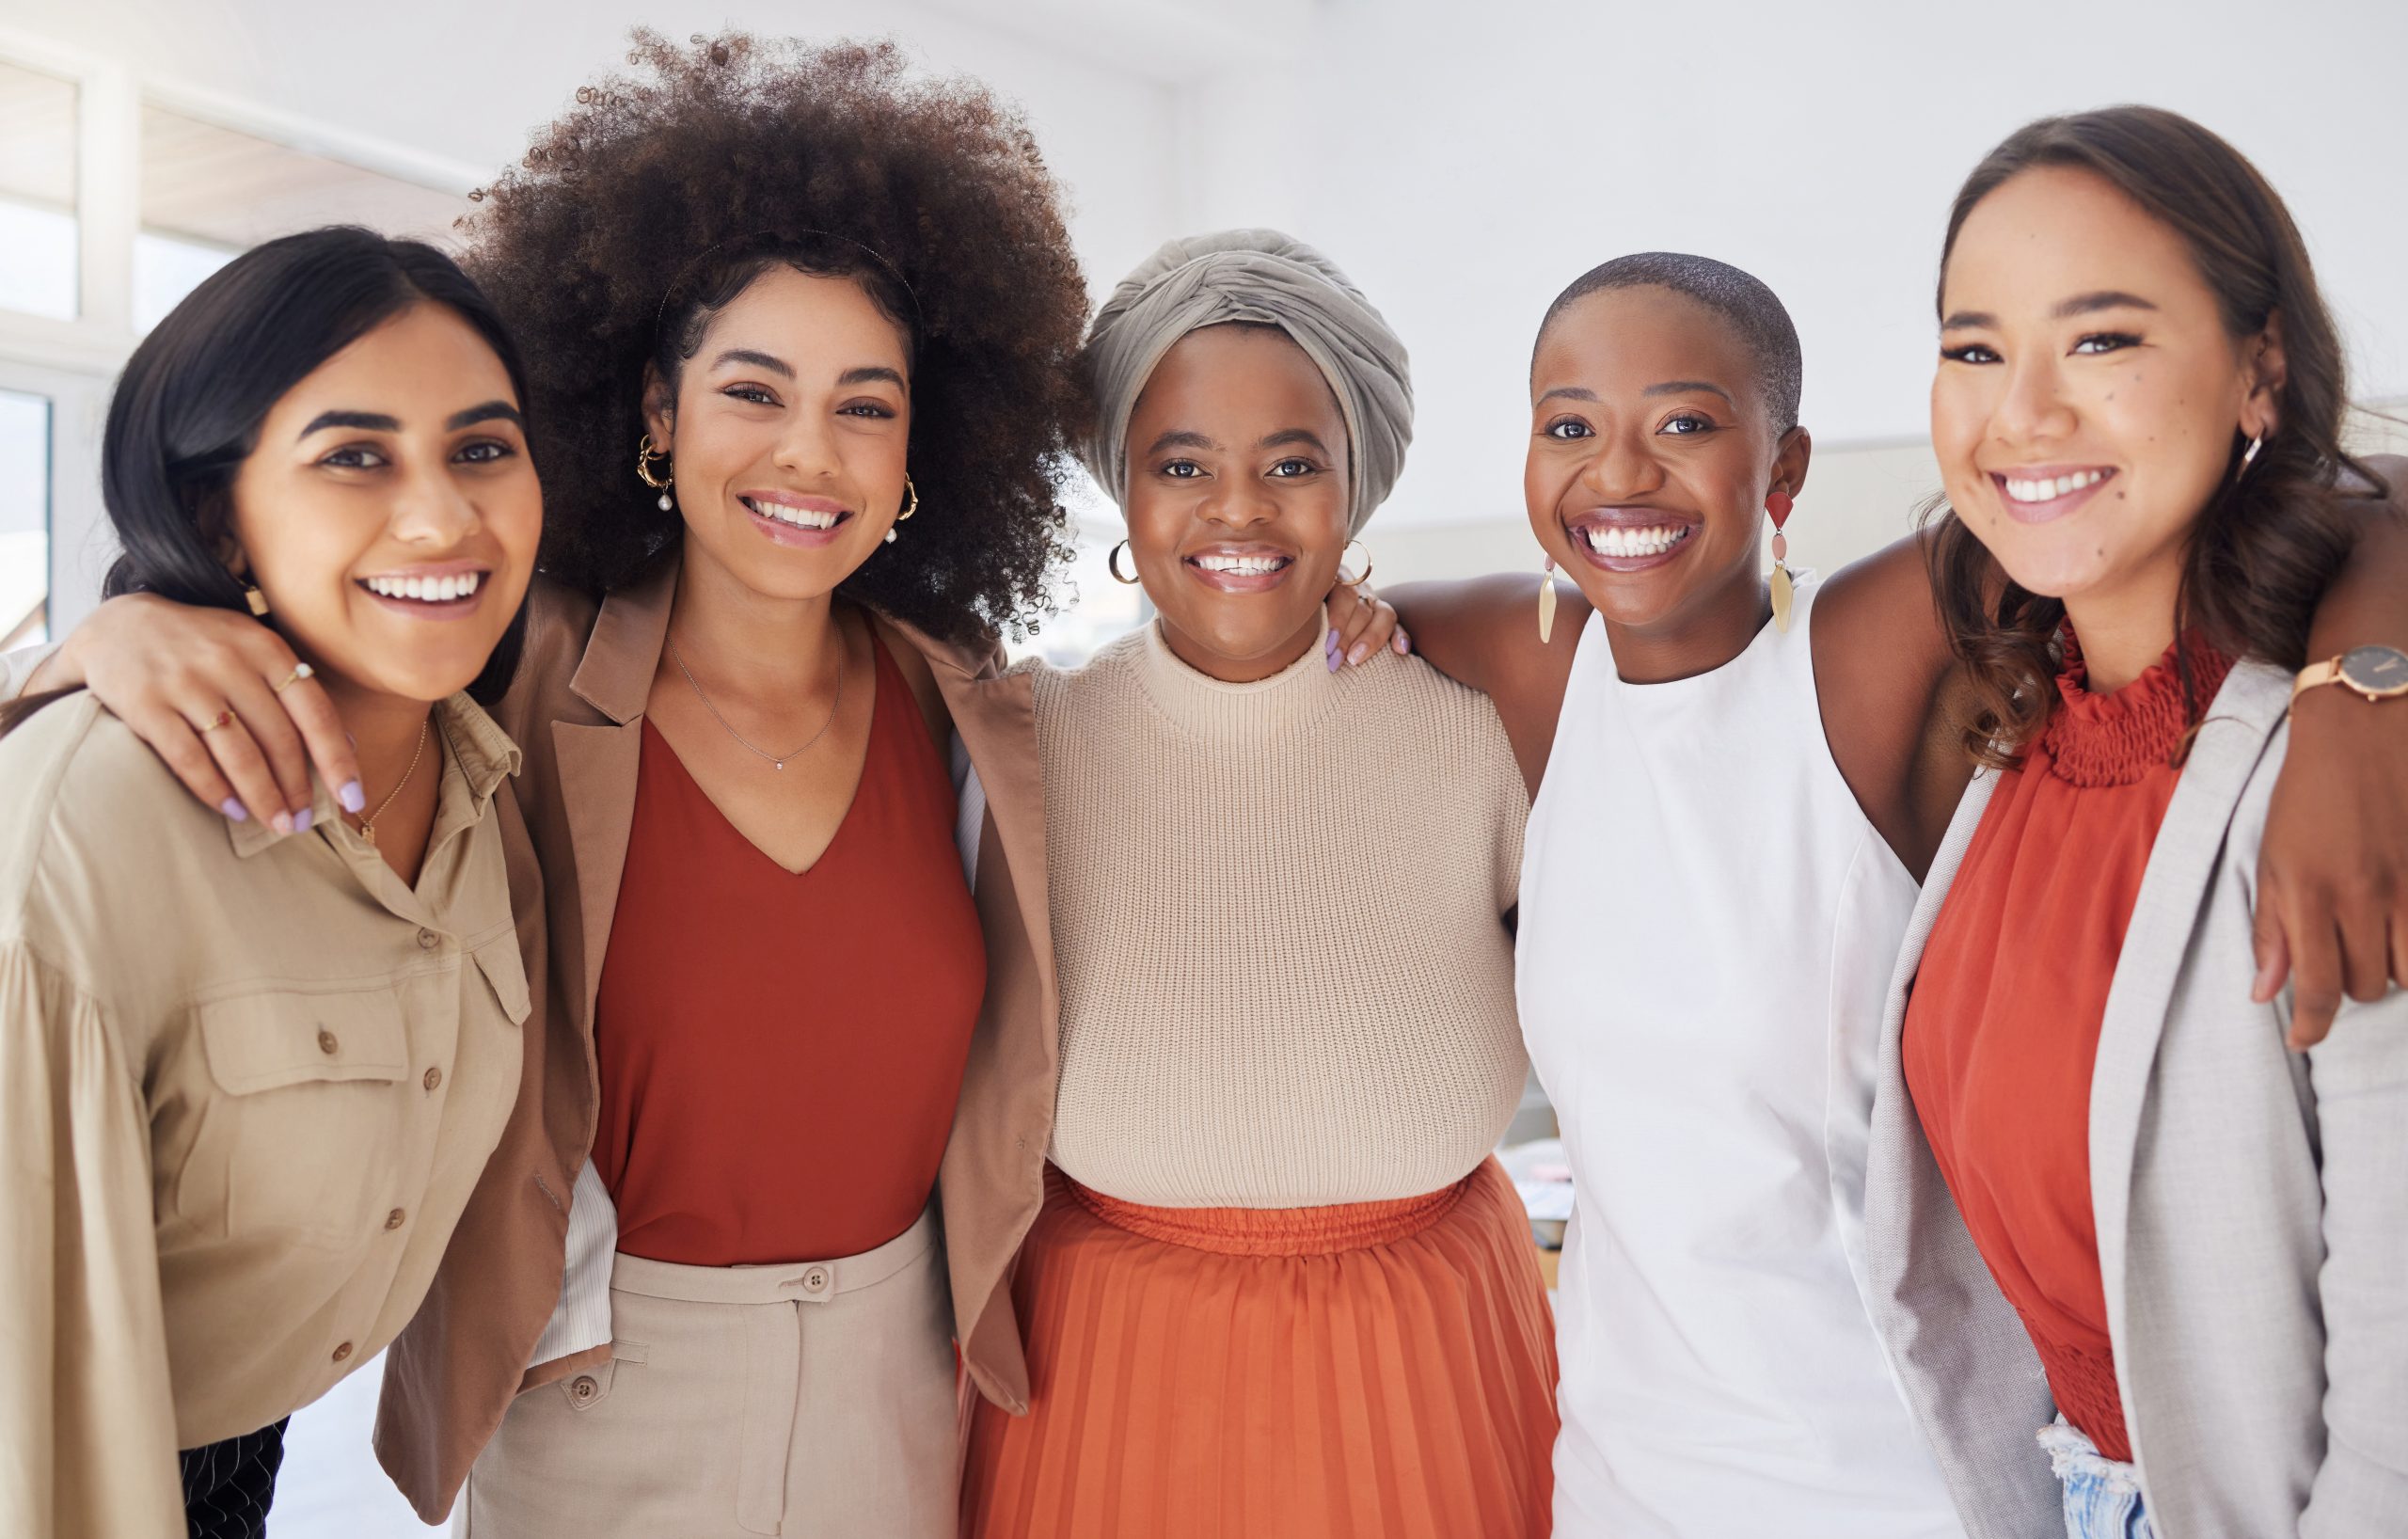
(479, 750)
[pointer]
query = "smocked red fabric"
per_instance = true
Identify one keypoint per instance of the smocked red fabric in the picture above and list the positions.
(1365, 1371)
(2002, 1030)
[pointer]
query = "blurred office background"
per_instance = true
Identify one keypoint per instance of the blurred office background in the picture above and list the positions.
(1464, 161)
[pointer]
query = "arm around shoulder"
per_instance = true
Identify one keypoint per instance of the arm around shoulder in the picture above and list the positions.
(1484, 632)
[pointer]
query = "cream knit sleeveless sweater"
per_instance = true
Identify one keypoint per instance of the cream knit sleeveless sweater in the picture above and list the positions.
(1278, 923)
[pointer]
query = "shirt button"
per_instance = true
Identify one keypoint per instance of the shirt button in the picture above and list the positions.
(585, 1388)
(428, 940)
(341, 1352)
(326, 1043)
(393, 1220)
(815, 1280)
(434, 1078)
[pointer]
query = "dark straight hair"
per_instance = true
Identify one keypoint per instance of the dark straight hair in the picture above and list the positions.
(188, 407)
(2271, 539)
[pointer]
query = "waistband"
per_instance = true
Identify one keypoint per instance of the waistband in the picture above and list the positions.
(1274, 1232)
(784, 1282)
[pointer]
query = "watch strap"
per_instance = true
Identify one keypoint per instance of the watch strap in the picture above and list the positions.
(2314, 673)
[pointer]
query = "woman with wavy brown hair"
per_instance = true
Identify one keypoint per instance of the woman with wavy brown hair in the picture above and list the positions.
(2107, 1206)
(799, 336)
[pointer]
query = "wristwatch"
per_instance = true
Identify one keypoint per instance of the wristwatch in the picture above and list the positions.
(2378, 672)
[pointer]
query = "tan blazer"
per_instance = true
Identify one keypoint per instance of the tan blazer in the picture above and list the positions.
(2252, 1210)
(575, 710)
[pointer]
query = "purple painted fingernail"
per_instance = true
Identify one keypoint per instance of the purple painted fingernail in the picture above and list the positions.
(352, 798)
(233, 808)
(302, 820)
(1330, 657)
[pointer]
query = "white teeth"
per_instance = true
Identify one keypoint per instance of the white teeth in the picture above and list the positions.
(441, 590)
(1245, 565)
(799, 517)
(1652, 540)
(2049, 488)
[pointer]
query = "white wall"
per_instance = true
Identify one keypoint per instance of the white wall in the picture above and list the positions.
(1463, 162)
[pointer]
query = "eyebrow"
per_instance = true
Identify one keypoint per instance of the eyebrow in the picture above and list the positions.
(377, 422)
(1295, 434)
(1180, 437)
(1568, 392)
(491, 411)
(2081, 304)
(870, 374)
(758, 360)
(1688, 386)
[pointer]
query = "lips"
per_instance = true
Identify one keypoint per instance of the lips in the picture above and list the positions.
(2036, 494)
(792, 520)
(1631, 539)
(431, 593)
(1239, 568)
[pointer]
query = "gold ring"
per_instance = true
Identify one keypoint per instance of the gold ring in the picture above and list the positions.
(220, 720)
(300, 671)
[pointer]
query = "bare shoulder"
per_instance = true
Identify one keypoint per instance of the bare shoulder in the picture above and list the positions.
(1484, 632)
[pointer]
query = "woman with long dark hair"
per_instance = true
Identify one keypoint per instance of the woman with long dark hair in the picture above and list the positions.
(250, 1074)
(2188, 1260)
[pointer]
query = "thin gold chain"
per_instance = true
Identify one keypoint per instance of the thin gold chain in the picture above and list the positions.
(367, 824)
(777, 759)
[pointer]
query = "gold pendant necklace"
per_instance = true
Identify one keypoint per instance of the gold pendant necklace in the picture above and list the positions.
(367, 824)
(779, 760)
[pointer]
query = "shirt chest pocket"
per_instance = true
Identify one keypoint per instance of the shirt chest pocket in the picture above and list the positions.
(309, 1131)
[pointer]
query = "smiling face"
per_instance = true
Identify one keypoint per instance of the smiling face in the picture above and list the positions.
(389, 513)
(1238, 497)
(1650, 455)
(2088, 391)
(789, 434)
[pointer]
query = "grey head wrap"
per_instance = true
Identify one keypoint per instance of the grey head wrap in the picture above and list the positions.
(1263, 277)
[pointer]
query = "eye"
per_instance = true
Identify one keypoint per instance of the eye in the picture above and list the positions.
(1969, 352)
(752, 393)
(354, 457)
(1288, 469)
(865, 409)
(1687, 424)
(1182, 469)
(2106, 342)
(1568, 427)
(485, 452)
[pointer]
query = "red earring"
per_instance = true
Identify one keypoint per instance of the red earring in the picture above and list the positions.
(1778, 504)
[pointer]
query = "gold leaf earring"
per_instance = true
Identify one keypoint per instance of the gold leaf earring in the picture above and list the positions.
(1784, 586)
(1546, 602)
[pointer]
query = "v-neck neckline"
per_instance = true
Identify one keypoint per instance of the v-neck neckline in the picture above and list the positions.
(852, 801)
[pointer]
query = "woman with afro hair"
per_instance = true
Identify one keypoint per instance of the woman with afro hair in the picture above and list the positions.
(801, 333)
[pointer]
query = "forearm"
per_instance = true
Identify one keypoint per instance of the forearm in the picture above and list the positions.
(2367, 602)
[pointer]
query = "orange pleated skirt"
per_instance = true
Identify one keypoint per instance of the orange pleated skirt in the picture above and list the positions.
(1371, 1371)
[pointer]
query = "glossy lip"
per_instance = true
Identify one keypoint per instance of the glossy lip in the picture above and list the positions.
(790, 534)
(420, 609)
(1239, 582)
(1629, 517)
(2057, 507)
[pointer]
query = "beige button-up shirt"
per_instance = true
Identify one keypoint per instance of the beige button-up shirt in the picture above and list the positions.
(246, 1085)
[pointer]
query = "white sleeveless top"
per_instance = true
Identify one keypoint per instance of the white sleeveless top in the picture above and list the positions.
(1708, 925)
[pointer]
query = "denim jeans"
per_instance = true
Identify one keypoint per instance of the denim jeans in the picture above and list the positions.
(2102, 1496)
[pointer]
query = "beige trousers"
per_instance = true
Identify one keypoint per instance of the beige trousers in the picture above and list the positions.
(814, 1399)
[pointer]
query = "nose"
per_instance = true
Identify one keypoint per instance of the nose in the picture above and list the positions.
(1621, 469)
(807, 447)
(2033, 408)
(433, 512)
(1239, 502)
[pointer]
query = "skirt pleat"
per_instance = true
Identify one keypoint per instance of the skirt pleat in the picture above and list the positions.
(1371, 1371)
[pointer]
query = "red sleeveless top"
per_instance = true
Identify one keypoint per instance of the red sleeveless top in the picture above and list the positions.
(2002, 1030)
(779, 1054)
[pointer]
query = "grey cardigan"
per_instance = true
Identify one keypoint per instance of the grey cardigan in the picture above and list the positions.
(2252, 1207)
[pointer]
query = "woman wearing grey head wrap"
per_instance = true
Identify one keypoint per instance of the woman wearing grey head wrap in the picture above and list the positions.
(1276, 1285)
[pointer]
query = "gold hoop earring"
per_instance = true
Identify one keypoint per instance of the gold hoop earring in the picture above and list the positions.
(1111, 564)
(912, 499)
(1365, 575)
(646, 455)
